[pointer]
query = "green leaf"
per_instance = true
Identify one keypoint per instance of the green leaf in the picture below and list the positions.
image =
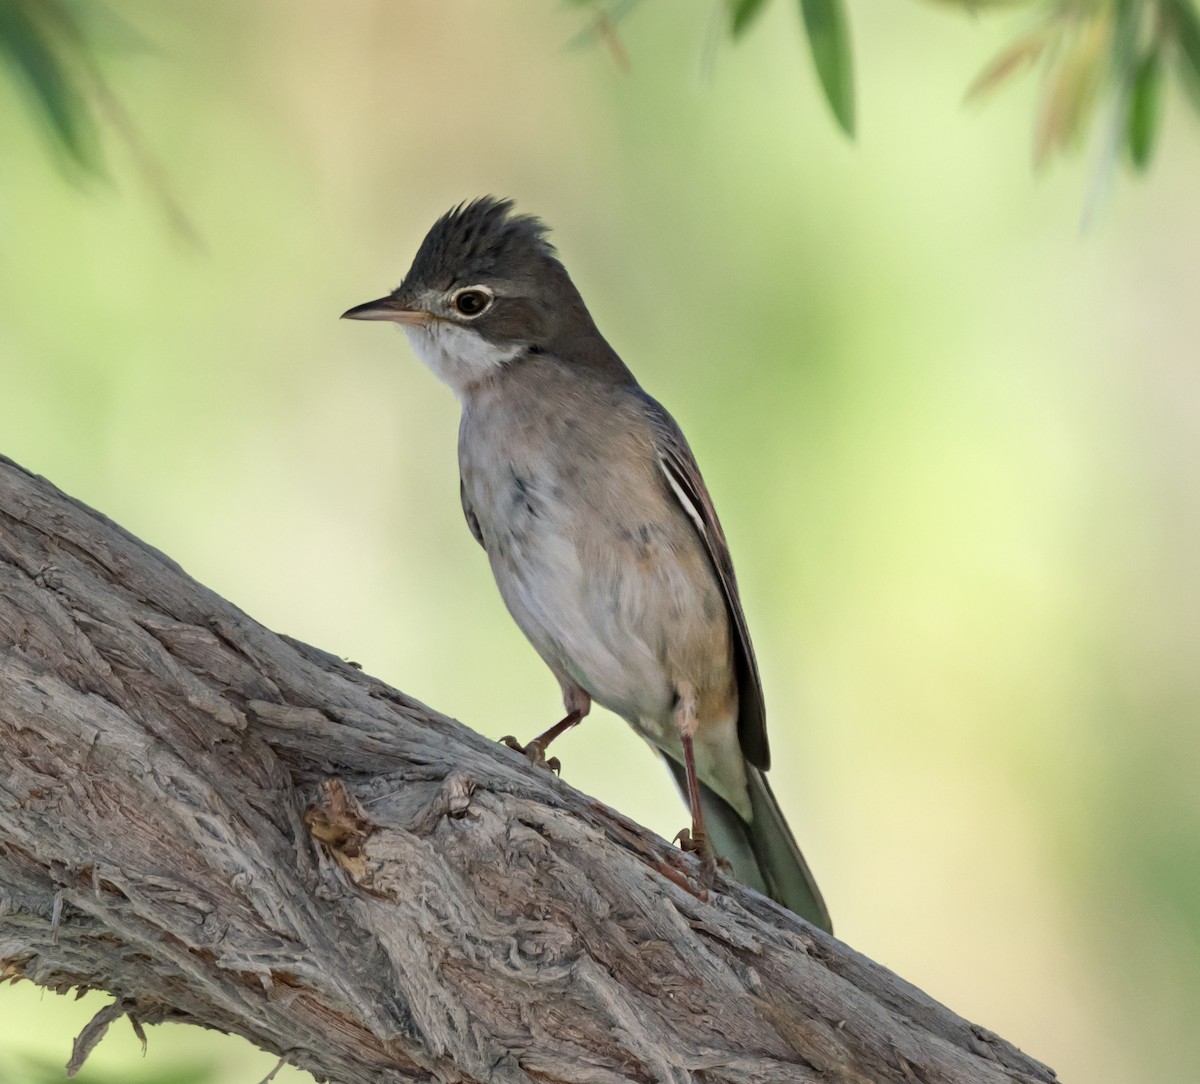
(1144, 111)
(33, 53)
(742, 14)
(829, 39)
(1184, 23)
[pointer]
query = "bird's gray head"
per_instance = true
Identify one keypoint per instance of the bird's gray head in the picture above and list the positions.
(486, 289)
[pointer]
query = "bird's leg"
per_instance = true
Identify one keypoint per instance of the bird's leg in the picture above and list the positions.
(694, 839)
(578, 704)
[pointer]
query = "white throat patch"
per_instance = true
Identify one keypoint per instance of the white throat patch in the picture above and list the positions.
(457, 355)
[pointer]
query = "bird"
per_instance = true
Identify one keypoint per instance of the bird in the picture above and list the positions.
(599, 529)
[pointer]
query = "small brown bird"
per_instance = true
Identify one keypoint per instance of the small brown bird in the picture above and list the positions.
(600, 531)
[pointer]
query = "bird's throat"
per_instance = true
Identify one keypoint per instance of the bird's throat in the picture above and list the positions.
(458, 356)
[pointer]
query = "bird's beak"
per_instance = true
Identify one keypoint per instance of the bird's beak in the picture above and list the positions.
(386, 308)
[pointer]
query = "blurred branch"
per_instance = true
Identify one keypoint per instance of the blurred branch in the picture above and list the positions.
(222, 826)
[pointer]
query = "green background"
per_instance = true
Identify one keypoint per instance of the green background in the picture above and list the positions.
(954, 442)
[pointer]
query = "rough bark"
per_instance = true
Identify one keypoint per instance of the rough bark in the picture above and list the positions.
(220, 825)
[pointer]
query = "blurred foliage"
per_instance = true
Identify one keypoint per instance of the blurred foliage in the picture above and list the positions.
(1095, 55)
(43, 45)
(50, 48)
(825, 23)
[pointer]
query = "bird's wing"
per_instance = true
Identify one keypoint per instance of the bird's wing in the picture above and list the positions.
(469, 512)
(683, 477)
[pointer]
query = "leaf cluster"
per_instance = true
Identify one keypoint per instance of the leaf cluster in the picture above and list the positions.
(1102, 56)
(1094, 55)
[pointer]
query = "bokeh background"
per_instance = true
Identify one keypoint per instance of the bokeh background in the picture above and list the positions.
(953, 438)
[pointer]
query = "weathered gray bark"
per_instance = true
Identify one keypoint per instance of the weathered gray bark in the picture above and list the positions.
(220, 825)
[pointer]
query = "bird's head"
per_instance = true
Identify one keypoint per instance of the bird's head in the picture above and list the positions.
(484, 289)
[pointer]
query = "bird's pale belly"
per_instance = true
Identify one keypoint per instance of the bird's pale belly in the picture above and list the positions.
(617, 599)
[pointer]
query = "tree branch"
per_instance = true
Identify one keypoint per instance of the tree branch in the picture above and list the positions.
(223, 826)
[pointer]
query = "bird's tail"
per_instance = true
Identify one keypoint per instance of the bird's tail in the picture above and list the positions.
(763, 853)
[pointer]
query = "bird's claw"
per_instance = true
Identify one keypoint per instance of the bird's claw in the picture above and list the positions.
(534, 752)
(698, 845)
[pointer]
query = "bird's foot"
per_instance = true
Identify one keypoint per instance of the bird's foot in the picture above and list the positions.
(697, 843)
(534, 752)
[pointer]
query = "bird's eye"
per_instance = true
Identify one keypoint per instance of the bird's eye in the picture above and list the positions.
(472, 301)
